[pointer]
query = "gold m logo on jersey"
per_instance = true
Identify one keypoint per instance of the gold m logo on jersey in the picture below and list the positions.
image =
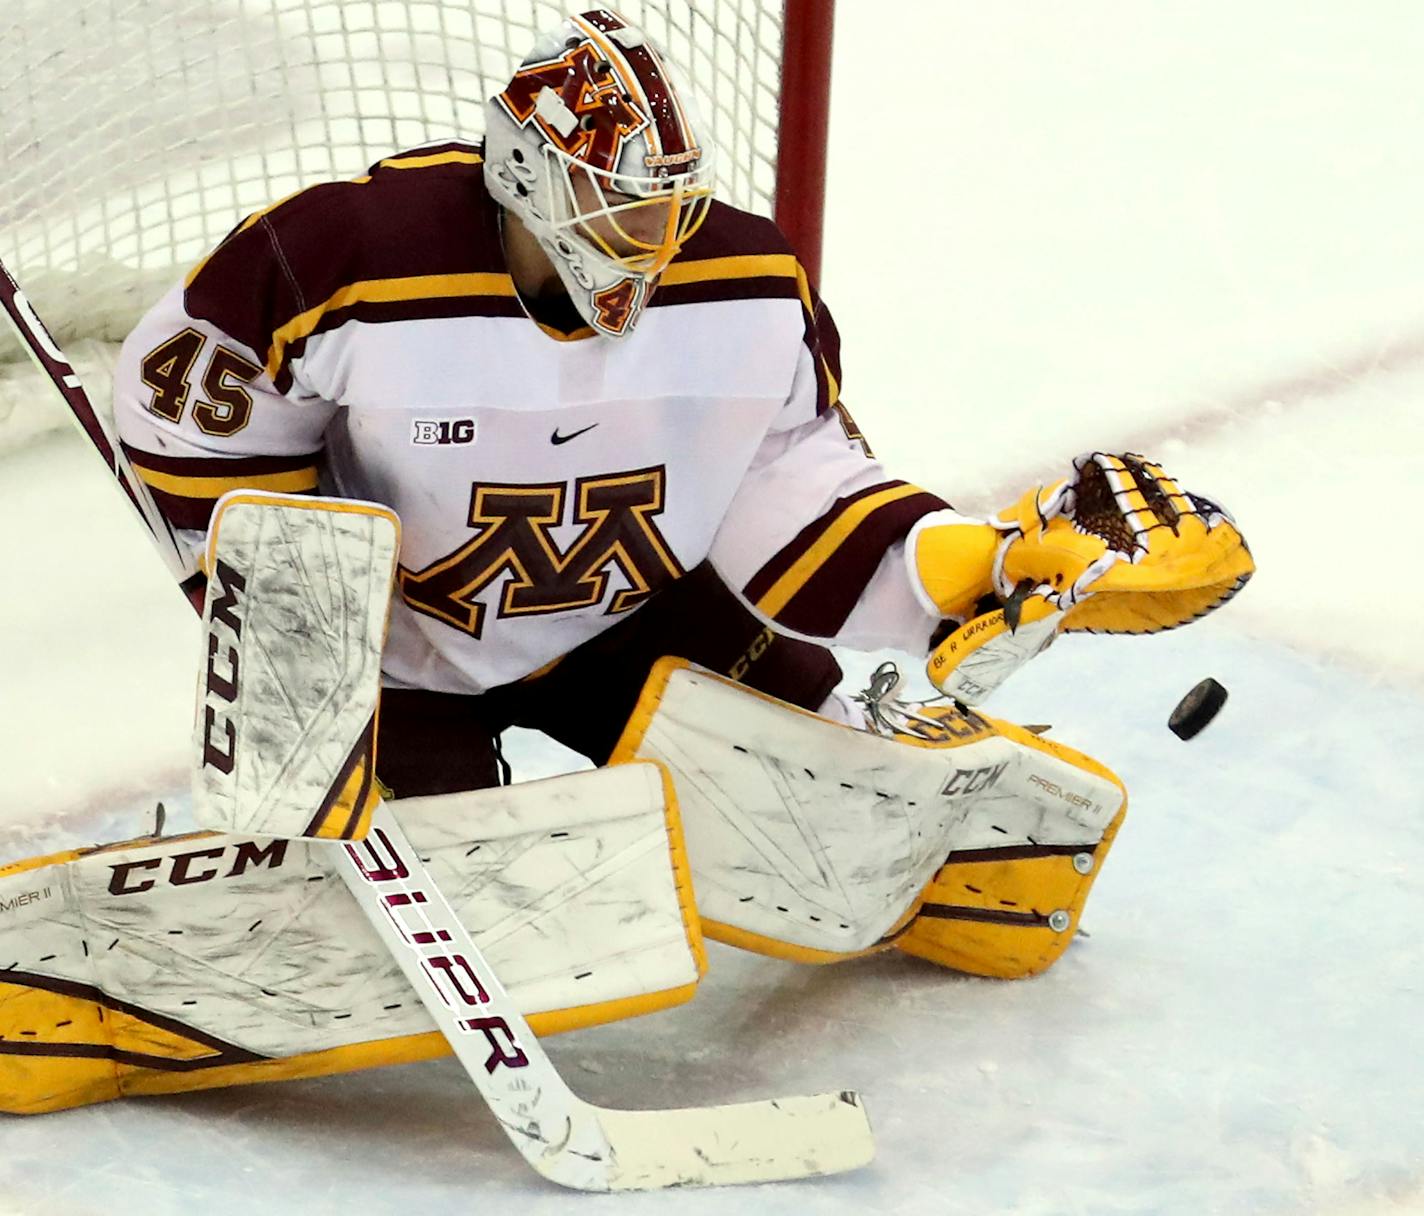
(514, 525)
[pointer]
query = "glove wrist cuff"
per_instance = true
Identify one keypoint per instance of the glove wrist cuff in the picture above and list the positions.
(953, 559)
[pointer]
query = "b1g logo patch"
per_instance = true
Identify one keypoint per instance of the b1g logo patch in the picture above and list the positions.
(442, 432)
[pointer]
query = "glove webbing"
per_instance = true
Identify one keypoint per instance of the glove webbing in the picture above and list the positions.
(1100, 502)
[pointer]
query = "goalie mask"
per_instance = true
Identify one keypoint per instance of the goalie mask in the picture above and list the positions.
(596, 150)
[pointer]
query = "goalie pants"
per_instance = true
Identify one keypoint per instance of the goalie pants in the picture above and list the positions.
(440, 743)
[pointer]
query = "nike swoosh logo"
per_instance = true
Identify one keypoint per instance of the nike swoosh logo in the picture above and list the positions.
(557, 438)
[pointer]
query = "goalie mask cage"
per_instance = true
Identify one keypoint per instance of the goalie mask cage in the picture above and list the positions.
(136, 133)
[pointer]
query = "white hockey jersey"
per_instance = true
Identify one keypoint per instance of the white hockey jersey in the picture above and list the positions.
(366, 336)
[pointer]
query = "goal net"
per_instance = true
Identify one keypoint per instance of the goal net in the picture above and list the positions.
(136, 133)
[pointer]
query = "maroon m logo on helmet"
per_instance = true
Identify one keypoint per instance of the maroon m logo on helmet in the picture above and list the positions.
(589, 85)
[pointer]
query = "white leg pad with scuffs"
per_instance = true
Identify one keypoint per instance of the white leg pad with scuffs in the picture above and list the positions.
(813, 840)
(155, 966)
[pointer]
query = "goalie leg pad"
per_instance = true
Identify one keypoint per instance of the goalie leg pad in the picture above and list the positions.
(1010, 909)
(817, 842)
(207, 960)
(809, 840)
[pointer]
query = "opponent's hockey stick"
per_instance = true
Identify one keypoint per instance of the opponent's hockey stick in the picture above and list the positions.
(51, 360)
(564, 1138)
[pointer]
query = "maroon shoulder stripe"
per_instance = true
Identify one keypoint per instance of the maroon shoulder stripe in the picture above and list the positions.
(301, 254)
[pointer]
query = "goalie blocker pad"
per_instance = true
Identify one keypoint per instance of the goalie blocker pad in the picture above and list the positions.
(298, 598)
(156, 966)
(981, 654)
(974, 845)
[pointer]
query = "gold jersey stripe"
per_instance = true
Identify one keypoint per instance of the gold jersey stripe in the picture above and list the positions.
(426, 162)
(785, 588)
(293, 481)
(739, 266)
(385, 291)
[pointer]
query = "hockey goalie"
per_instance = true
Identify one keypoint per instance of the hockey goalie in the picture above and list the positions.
(534, 432)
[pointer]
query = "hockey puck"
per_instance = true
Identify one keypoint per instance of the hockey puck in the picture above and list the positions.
(1195, 711)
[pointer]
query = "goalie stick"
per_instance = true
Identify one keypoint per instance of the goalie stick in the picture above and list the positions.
(564, 1138)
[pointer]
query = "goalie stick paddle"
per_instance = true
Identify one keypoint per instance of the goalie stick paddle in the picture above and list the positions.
(564, 1138)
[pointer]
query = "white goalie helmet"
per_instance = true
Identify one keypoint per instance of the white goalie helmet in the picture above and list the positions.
(597, 150)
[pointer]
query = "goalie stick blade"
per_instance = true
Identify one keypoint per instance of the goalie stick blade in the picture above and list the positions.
(564, 1138)
(770, 1141)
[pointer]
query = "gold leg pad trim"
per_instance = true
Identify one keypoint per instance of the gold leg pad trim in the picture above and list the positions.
(732, 936)
(92, 1052)
(1006, 913)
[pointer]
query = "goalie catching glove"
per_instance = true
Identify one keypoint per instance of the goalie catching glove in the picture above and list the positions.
(1117, 547)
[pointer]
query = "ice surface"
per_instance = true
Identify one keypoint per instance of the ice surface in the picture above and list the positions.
(1191, 229)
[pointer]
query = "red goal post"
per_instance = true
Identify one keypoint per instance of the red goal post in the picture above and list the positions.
(803, 128)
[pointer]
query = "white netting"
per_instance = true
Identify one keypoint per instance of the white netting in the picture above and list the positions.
(135, 133)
